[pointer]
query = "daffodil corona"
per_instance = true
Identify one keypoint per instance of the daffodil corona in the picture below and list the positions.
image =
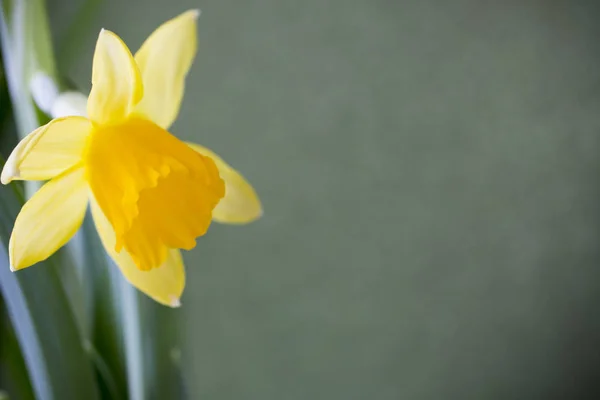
(150, 193)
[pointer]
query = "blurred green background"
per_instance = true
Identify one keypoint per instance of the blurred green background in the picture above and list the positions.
(430, 173)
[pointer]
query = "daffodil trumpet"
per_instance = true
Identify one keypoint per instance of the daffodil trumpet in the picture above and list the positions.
(150, 194)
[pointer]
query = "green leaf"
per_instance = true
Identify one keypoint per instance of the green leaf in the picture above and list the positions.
(43, 321)
(13, 372)
(154, 368)
(102, 311)
(26, 48)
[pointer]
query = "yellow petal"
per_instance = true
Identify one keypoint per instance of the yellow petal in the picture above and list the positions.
(164, 284)
(164, 60)
(49, 219)
(48, 151)
(240, 204)
(116, 82)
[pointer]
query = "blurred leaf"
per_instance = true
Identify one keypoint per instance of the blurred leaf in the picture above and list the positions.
(102, 313)
(13, 372)
(163, 372)
(26, 48)
(44, 324)
(106, 379)
(153, 359)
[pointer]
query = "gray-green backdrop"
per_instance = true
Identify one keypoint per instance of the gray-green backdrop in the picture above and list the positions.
(430, 173)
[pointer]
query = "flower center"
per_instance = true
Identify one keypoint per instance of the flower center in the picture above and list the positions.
(156, 191)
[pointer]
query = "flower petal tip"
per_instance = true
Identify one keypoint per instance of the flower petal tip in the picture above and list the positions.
(195, 12)
(258, 215)
(17, 267)
(103, 32)
(9, 172)
(175, 302)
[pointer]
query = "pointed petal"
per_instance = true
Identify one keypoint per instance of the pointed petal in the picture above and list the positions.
(164, 284)
(48, 151)
(240, 204)
(49, 219)
(164, 60)
(116, 81)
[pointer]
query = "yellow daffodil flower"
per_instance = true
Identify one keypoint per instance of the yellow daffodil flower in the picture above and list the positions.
(150, 193)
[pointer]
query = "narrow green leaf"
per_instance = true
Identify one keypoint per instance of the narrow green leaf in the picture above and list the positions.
(26, 48)
(102, 299)
(154, 360)
(163, 366)
(13, 372)
(44, 323)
